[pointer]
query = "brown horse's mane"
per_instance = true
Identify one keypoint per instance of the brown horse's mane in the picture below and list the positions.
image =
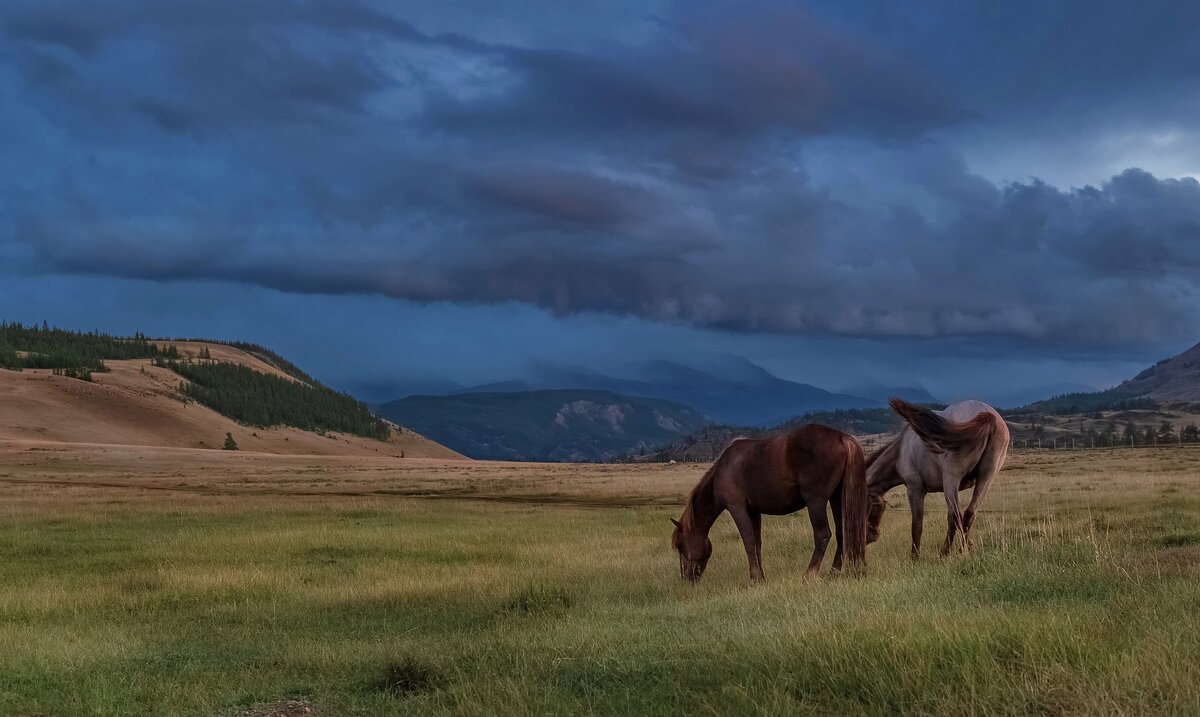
(701, 495)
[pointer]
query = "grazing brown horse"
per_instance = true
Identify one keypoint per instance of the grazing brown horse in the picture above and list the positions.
(939, 452)
(806, 467)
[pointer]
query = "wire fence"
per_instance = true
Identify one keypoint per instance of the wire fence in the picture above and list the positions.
(1089, 444)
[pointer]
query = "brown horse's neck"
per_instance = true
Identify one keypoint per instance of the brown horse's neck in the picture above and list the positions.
(882, 475)
(701, 510)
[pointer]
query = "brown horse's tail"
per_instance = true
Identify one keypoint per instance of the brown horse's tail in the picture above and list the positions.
(942, 435)
(854, 503)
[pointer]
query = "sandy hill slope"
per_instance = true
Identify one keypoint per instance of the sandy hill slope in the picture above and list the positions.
(1170, 380)
(136, 403)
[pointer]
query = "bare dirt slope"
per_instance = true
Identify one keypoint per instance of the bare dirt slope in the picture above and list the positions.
(138, 404)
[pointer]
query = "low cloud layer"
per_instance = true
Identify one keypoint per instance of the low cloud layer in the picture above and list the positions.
(752, 168)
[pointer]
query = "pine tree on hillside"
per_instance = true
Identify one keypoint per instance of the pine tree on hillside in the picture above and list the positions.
(230, 444)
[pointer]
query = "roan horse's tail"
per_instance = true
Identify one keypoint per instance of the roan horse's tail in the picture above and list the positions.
(854, 503)
(940, 434)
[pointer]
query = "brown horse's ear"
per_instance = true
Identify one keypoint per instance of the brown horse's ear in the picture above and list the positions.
(676, 522)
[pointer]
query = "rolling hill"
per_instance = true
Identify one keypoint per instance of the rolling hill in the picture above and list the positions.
(1172, 380)
(133, 401)
(550, 425)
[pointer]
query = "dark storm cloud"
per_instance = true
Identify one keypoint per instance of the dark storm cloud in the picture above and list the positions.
(718, 72)
(333, 147)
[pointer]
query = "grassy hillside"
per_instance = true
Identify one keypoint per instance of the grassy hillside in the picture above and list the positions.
(555, 425)
(234, 390)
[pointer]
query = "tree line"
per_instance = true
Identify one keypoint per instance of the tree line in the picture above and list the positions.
(71, 353)
(258, 399)
(1069, 404)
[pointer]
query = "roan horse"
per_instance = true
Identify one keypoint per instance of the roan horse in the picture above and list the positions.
(939, 452)
(807, 467)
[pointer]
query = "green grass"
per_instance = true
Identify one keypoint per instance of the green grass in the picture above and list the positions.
(366, 607)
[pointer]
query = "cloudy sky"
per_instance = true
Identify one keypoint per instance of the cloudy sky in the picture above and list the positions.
(977, 197)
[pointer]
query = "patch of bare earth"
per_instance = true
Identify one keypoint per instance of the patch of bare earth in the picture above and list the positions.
(287, 708)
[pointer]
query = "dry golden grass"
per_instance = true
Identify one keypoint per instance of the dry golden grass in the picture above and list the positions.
(166, 581)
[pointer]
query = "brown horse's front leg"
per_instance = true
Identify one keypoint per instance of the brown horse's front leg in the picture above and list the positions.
(821, 535)
(835, 502)
(750, 525)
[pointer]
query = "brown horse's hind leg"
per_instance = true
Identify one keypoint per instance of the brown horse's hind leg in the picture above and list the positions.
(821, 534)
(749, 524)
(916, 505)
(835, 502)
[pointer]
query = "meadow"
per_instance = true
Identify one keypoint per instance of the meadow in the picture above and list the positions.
(172, 581)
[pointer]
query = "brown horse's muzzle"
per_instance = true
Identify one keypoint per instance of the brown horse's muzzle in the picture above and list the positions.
(691, 570)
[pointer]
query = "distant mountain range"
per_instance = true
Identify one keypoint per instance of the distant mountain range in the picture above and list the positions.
(1170, 384)
(564, 413)
(550, 425)
(728, 389)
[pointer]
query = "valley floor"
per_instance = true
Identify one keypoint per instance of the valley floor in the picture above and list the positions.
(174, 581)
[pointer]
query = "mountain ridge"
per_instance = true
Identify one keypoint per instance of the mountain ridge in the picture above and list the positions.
(730, 389)
(545, 425)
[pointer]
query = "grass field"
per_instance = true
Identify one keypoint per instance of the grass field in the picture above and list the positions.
(160, 582)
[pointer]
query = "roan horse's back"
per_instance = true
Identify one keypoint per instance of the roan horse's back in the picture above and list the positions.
(964, 411)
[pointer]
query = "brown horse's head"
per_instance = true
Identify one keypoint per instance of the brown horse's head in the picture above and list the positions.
(874, 515)
(694, 551)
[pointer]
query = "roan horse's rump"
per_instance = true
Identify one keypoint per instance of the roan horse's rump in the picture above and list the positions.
(939, 452)
(811, 466)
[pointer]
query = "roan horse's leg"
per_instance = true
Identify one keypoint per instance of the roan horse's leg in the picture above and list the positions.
(835, 502)
(954, 519)
(820, 524)
(988, 469)
(981, 487)
(750, 526)
(916, 505)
